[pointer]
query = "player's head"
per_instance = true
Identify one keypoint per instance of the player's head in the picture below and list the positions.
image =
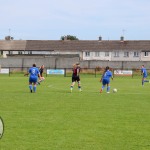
(142, 66)
(74, 65)
(42, 66)
(34, 65)
(107, 68)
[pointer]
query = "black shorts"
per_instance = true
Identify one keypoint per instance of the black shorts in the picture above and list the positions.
(75, 78)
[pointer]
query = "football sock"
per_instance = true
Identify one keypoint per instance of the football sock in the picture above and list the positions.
(34, 88)
(108, 88)
(30, 87)
(103, 87)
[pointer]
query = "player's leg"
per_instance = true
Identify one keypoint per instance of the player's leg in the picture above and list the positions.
(30, 86)
(35, 79)
(145, 79)
(108, 88)
(73, 83)
(41, 80)
(103, 85)
(34, 87)
(79, 84)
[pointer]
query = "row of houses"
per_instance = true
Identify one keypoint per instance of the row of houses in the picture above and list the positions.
(109, 50)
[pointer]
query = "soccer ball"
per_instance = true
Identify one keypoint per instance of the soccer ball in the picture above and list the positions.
(114, 90)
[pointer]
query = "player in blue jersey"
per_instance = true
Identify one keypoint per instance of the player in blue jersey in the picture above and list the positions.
(144, 75)
(34, 74)
(105, 79)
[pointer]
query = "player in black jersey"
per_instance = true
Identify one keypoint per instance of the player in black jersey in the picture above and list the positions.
(75, 76)
(41, 70)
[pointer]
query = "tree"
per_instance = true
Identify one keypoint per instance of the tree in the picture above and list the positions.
(69, 37)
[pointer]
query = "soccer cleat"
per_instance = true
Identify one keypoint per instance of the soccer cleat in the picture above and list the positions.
(80, 90)
(31, 91)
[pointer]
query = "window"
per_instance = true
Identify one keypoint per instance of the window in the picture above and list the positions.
(10, 52)
(126, 54)
(116, 54)
(136, 54)
(20, 52)
(97, 54)
(87, 54)
(29, 52)
(106, 54)
(1, 52)
(145, 54)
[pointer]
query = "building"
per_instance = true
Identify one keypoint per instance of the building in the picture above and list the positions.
(109, 50)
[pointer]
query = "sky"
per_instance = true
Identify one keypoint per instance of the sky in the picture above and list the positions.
(85, 19)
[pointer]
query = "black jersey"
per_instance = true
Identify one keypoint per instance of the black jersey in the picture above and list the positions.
(41, 71)
(76, 71)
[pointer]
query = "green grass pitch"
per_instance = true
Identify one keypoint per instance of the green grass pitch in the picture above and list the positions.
(55, 119)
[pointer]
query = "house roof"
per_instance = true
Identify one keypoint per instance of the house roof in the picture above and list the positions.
(76, 45)
(6, 45)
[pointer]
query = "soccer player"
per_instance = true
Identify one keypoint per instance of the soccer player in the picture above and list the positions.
(34, 74)
(75, 76)
(144, 74)
(105, 79)
(41, 70)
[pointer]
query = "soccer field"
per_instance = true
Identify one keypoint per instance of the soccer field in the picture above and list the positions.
(55, 119)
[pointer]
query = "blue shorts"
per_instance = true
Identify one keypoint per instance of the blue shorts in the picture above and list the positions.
(144, 76)
(33, 80)
(105, 81)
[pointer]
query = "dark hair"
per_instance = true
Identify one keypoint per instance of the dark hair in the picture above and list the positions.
(34, 65)
(107, 68)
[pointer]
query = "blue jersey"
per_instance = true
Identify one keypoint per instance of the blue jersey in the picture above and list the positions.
(107, 75)
(144, 72)
(33, 71)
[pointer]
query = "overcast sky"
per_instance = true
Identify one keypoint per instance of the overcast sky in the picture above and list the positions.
(85, 19)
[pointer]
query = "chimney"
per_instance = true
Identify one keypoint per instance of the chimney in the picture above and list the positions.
(121, 39)
(8, 38)
(100, 38)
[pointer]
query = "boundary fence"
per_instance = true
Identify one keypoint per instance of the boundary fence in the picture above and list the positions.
(67, 72)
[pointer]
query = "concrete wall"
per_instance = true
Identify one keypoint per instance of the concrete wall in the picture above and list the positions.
(62, 62)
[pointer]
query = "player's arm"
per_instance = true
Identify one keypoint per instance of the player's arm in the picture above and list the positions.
(142, 72)
(78, 71)
(102, 76)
